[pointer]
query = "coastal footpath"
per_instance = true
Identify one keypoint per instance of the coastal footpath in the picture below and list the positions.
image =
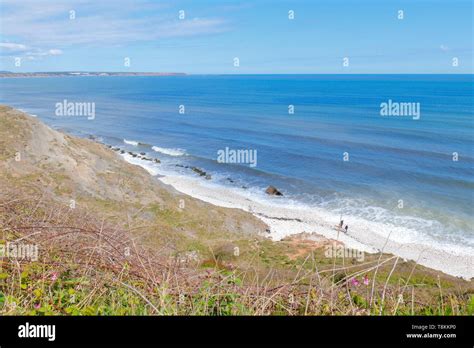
(85, 232)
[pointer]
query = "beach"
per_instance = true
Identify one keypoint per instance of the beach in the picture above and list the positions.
(284, 221)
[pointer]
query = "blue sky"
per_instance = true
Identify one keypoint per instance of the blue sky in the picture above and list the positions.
(44, 37)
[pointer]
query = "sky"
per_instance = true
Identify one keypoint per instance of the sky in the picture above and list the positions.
(323, 36)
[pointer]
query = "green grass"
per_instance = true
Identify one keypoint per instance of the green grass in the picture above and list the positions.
(85, 272)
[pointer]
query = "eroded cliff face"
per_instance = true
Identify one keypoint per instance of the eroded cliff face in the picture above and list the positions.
(89, 174)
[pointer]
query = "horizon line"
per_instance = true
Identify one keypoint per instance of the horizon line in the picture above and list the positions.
(215, 74)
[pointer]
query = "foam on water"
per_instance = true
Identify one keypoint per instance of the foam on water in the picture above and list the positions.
(131, 142)
(147, 165)
(169, 152)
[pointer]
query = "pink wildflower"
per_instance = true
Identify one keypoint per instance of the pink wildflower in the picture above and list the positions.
(355, 282)
(366, 280)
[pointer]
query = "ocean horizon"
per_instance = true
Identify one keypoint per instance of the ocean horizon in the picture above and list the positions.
(324, 141)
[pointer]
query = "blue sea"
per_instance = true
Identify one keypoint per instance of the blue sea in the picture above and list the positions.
(400, 170)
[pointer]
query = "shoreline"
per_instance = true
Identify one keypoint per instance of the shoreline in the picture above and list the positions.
(284, 221)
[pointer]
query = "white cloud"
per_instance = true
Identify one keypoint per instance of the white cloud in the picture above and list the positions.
(444, 48)
(12, 46)
(55, 52)
(48, 23)
(35, 54)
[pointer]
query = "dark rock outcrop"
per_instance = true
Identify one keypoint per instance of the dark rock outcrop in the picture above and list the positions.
(273, 191)
(199, 171)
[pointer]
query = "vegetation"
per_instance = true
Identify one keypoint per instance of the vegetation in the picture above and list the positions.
(88, 266)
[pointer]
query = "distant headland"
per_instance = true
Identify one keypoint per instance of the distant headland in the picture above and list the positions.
(84, 73)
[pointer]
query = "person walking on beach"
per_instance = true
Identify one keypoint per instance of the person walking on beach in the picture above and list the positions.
(341, 223)
(347, 226)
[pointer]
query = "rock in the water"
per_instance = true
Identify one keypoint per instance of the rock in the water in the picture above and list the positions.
(157, 160)
(273, 191)
(198, 171)
(142, 153)
(208, 177)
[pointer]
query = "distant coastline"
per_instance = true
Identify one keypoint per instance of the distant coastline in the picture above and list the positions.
(84, 73)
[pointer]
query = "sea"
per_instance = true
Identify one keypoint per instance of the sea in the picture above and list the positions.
(392, 149)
